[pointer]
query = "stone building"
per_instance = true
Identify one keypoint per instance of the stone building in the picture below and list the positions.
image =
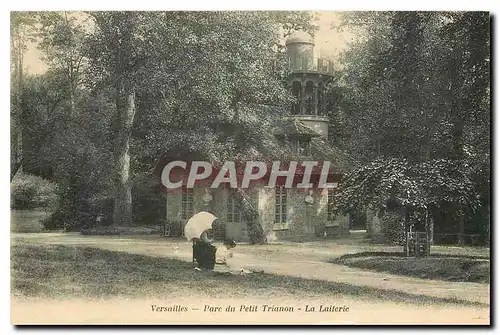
(296, 214)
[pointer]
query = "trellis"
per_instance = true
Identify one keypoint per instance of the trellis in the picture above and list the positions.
(417, 244)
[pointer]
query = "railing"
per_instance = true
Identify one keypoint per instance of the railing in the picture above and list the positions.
(173, 228)
(417, 244)
(311, 64)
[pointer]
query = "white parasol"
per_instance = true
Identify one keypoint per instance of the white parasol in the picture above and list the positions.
(197, 224)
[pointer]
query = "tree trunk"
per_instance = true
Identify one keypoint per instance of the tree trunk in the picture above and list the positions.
(16, 140)
(488, 236)
(125, 109)
(71, 103)
(431, 229)
(16, 158)
(461, 240)
(14, 169)
(251, 216)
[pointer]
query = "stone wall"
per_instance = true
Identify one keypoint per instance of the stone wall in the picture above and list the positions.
(303, 221)
(266, 210)
(174, 208)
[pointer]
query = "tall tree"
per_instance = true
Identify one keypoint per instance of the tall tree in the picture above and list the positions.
(466, 74)
(61, 42)
(208, 98)
(194, 80)
(51, 97)
(409, 95)
(117, 53)
(21, 33)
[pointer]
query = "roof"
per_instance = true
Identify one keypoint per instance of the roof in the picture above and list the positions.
(296, 128)
(299, 36)
(321, 149)
(270, 145)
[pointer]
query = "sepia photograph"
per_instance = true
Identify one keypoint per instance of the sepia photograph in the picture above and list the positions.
(250, 167)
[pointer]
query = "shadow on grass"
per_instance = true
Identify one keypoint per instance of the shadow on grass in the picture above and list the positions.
(448, 267)
(62, 272)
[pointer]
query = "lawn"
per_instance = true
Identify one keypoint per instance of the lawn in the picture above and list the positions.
(449, 267)
(63, 272)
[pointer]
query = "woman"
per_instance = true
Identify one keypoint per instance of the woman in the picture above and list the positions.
(224, 254)
(226, 261)
(204, 252)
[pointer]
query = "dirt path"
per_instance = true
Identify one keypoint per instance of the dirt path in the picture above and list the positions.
(304, 260)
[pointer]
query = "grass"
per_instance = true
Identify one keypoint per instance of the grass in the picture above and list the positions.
(449, 267)
(63, 272)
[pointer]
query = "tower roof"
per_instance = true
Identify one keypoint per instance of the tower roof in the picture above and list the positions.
(299, 36)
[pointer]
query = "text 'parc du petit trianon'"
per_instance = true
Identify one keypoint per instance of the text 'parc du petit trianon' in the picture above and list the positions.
(289, 175)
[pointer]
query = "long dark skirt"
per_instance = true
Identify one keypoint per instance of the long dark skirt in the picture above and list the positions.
(204, 254)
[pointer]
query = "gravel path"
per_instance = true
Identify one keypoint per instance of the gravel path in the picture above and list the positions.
(306, 260)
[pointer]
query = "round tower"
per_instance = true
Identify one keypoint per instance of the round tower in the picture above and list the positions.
(309, 81)
(300, 49)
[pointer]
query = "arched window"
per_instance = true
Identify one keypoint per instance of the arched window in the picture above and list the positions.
(309, 99)
(296, 91)
(321, 93)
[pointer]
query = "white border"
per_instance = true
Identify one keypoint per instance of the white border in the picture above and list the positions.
(331, 5)
(429, 5)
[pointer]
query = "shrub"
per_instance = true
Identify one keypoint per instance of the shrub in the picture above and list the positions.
(84, 190)
(148, 203)
(30, 192)
(393, 228)
(102, 208)
(74, 214)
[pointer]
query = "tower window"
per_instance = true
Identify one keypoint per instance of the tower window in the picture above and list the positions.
(331, 138)
(302, 147)
(309, 99)
(321, 91)
(296, 91)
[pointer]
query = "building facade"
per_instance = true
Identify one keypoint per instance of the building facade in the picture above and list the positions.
(295, 214)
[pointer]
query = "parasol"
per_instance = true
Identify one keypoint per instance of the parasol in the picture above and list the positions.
(197, 224)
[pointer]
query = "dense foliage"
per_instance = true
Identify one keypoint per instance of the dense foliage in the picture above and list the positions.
(411, 107)
(124, 88)
(32, 192)
(416, 91)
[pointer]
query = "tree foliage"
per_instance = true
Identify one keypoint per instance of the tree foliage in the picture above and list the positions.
(417, 95)
(412, 104)
(155, 82)
(21, 33)
(430, 183)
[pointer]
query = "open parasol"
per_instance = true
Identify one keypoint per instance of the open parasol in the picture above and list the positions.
(197, 224)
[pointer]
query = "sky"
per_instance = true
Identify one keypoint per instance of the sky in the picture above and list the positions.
(329, 43)
(32, 61)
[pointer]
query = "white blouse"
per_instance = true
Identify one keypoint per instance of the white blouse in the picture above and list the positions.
(223, 255)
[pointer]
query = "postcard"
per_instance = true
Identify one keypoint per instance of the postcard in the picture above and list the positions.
(250, 167)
